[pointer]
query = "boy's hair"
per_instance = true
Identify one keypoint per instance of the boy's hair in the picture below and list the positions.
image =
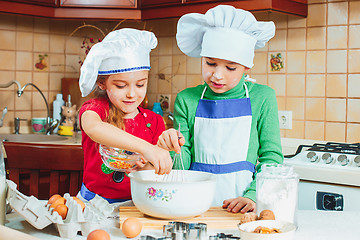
(116, 116)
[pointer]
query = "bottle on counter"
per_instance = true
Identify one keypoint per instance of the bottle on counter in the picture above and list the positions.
(68, 103)
(57, 104)
(157, 108)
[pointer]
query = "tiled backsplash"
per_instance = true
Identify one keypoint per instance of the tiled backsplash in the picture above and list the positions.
(319, 80)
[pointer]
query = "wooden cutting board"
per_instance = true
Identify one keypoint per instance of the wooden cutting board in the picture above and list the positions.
(215, 218)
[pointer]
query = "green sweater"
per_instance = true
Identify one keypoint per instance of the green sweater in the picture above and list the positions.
(265, 143)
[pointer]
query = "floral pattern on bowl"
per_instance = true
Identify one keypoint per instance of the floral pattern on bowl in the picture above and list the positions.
(160, 194)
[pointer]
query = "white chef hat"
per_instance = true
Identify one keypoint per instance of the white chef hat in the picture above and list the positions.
(223, 32)
(124, 50)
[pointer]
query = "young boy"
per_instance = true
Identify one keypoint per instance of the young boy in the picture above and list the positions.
(230, 126)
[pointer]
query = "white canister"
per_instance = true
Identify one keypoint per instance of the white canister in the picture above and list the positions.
(277, 190)
(57, 104)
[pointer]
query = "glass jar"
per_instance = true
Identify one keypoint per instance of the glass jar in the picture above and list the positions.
(277, 190)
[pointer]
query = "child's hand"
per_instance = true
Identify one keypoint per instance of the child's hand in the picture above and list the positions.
(239, 204)
(171, 140)
(140, 165)
(159, 158)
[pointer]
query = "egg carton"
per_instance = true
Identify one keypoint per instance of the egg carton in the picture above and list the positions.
(39, 215)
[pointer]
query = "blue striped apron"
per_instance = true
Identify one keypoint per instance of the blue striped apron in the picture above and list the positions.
(221, 139)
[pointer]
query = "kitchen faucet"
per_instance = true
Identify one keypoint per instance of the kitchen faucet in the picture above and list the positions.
(17, 124)
(171, 116)
(6, 85)
(2, 117)
(51, 124)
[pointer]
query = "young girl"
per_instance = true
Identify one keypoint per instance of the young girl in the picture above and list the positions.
(118, 68)
(230, 126)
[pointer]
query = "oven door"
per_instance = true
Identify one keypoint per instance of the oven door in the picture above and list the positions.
(328, 197)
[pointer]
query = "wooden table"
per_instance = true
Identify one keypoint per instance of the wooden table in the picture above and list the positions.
(312, 225)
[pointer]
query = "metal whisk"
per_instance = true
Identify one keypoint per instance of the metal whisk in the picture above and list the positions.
(175, 175)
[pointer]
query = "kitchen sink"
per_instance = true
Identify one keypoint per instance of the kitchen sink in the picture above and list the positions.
(32, 138)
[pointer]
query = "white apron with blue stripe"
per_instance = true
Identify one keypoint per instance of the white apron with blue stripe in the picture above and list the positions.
(221, 139)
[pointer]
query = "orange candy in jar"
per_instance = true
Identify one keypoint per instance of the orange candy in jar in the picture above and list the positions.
(121, 165)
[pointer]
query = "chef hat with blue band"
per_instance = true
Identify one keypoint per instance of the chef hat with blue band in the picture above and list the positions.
(223, 32)
(124, 50)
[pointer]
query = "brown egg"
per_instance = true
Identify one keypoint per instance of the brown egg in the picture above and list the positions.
(53, 198)
(58, 201)
(82, 204)
(98, 234)
(267, 215)
(62, 210)
(248, 217)
(131, 227)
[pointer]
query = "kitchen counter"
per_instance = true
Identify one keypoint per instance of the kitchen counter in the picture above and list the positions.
(312, 225)
(74, 140)
(42, 138)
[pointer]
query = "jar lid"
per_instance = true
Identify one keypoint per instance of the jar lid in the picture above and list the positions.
(278, 170)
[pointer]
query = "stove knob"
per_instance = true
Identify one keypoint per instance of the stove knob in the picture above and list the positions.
(357, 161)
(343, 160)
(327, 158)
(312, 157)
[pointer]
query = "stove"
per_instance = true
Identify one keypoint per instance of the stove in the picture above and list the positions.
(329, 175)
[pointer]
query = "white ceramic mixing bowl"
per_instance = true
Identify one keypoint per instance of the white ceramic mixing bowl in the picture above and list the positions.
(184, 194)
